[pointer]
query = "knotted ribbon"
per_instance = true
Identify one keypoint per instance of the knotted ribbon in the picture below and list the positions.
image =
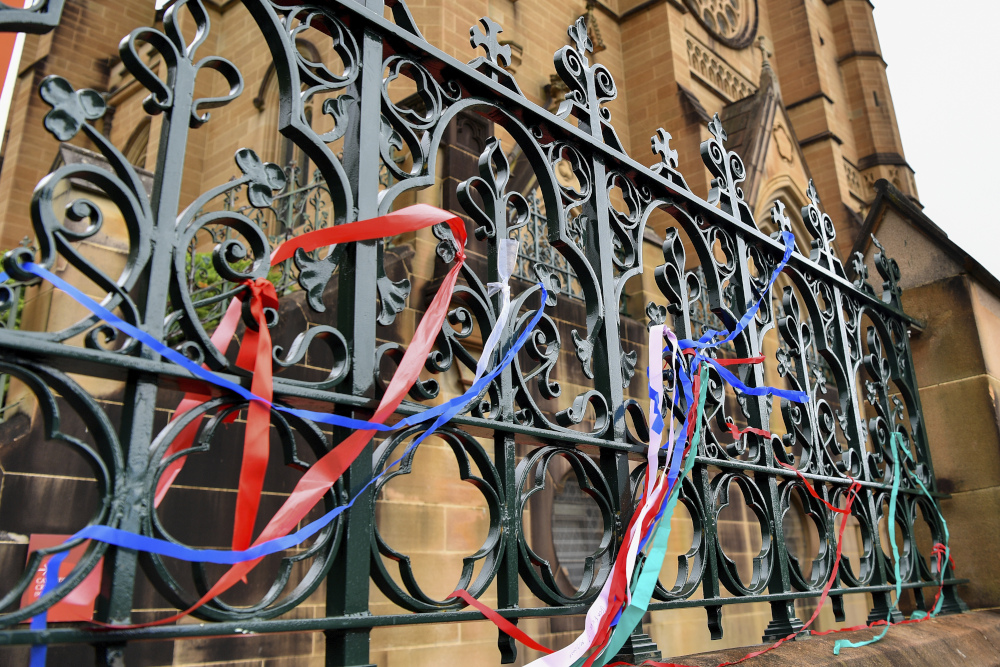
(255, 356)
(322, 475)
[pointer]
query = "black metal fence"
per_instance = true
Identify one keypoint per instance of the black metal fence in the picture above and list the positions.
(857, 333)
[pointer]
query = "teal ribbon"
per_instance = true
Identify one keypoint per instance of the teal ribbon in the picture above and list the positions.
(891, 529)
(642, 591)
(947, 552)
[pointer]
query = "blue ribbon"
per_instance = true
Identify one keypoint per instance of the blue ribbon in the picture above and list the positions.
(441, 414)
(219, 381)
(796, 396)
(675, 461)
(705, 343)
(128, 540)
(706, 340)
(39, 652)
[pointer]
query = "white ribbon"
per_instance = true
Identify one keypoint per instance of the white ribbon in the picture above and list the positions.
(506, 262)
(573, 652)
(570, 654)
(656, 421)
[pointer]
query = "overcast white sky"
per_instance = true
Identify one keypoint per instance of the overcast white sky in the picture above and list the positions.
(944, 71)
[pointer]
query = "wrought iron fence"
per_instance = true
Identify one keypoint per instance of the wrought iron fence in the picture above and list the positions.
(299, 208)
(10, 322)
(858, 330)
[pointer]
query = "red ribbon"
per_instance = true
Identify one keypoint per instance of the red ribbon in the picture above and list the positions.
(501, 622)
(617, 595)
(939, 550)
(318, 480)
(812, 491)
(409, 219)
(255, 356)
(220, 339)
(851, 496)
(738, 433)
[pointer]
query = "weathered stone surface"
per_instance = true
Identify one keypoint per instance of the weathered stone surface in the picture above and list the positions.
(974, 523)
(965, 639)
(949, 347)
(986, 307)
(963, 432)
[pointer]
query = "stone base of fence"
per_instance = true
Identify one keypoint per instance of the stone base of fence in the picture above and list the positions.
(962, 639)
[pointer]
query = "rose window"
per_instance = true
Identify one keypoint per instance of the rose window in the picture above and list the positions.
(732, 22)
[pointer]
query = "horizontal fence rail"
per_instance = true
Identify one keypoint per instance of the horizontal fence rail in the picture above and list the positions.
(844, 342)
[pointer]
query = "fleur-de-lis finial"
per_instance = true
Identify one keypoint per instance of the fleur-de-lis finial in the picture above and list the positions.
(717, 130)
(488, 39)
(861, 276)
(780, 218)
(729, 171)
(889, 270)
(811, 193)
(820, 225)
(578, 33)
(590, 85)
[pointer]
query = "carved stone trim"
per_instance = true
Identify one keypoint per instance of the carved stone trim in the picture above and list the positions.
(716, 73)
(875, 159)
(857, 186)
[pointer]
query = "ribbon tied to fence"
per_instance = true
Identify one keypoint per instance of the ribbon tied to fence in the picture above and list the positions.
(626, 594)
(255, 356)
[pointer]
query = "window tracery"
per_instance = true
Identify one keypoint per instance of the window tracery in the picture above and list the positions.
(732, 22)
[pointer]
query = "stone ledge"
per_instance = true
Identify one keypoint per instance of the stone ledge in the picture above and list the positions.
(962, 639)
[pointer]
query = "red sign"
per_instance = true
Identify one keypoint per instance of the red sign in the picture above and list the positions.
(79, 604)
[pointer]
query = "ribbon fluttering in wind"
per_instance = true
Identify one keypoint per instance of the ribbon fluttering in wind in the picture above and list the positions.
(319, 478)
(221, 338)
(625, 595)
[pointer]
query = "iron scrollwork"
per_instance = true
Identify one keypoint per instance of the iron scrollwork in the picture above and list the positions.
(566, 179)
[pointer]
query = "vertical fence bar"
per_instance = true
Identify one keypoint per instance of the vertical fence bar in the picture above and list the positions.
(348, 581)
(139, 403)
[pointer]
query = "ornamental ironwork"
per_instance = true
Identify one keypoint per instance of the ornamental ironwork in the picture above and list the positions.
(181, 264)
(536, 258)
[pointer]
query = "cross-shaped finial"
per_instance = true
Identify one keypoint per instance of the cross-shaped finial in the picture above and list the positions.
(487, 38)
(779, 217)
(661, 146)
(762, 45)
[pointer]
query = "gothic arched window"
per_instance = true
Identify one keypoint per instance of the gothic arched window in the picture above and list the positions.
(137, 146)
